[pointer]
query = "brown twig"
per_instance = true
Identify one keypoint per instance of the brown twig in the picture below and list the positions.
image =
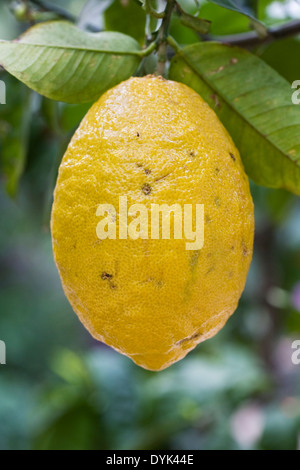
(251, 39)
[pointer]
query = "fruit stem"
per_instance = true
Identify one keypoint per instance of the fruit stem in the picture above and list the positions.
(162, 37)
(148, 50)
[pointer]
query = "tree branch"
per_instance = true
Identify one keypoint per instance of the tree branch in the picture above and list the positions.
(251, 39)
(162, 37)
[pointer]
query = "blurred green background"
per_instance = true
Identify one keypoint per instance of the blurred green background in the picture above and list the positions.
(60, 389)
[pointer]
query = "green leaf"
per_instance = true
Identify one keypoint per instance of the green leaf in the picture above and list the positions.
(127, 17)
(184, 35)
(285, 49)
(253, 102)
(224, 21)
(14, 133)
(61, 62)
(247, 7)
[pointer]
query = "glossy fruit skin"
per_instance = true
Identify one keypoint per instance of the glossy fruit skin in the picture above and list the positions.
(152, 300)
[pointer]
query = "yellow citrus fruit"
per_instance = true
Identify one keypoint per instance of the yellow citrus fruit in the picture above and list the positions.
(152, 141)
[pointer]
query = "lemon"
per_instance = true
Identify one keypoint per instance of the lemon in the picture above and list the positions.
(150, 141)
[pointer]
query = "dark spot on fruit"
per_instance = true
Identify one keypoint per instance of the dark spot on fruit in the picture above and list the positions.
(207, 219)
(139, 165)
(232, 248)
(192, 154)
(244, 248)
(147, 171)
(188, 338)
(106, 276)
(230, 274)
(232, 156)
(146, 188)
(137, 134)
(217, 170)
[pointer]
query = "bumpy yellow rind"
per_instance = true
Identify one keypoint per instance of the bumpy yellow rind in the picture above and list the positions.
(152, 300)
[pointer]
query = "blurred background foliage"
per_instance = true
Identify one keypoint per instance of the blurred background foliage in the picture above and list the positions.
(61, 389)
